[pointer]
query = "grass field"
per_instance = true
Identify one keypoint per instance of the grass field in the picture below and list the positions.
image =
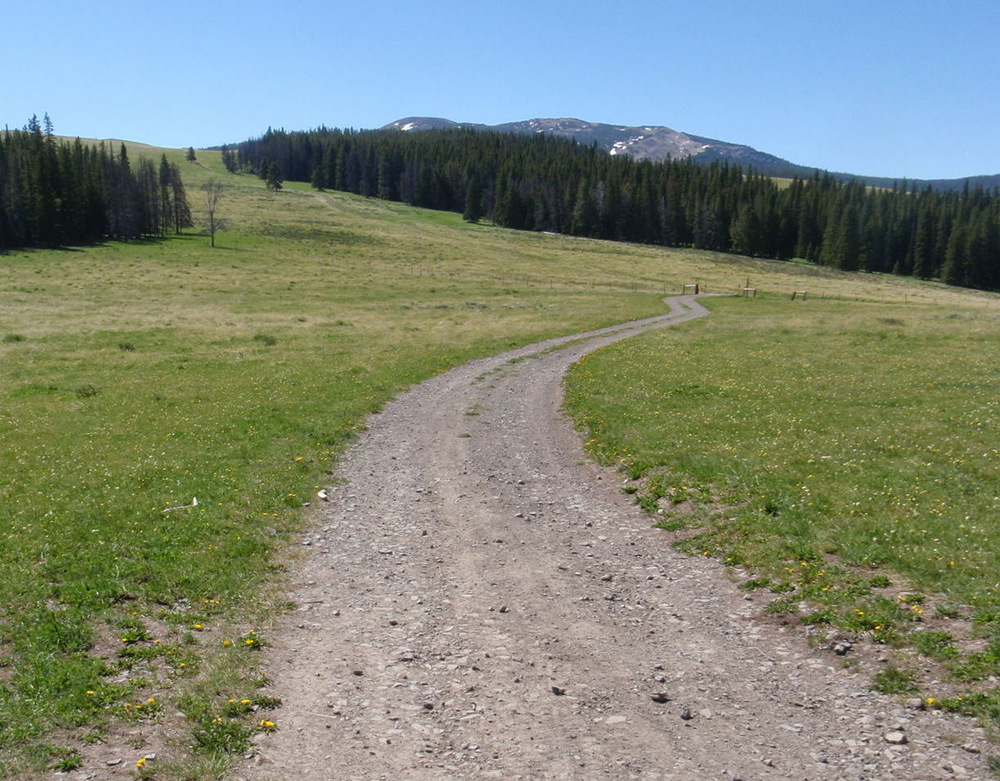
(137, 377)
(844, 456)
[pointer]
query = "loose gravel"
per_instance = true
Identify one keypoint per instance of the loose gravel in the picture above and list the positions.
(479, 600)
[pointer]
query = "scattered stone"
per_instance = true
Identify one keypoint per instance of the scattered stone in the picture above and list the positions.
(425, 697)
(113, 762)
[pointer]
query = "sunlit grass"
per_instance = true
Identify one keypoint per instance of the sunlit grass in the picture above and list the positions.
(138, 377)
(845, 454)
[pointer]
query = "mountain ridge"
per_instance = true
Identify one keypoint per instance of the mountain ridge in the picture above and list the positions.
(658, 142)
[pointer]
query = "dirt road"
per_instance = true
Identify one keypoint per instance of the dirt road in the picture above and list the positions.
(480, 601)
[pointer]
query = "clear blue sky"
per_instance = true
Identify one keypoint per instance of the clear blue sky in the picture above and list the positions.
(900, 88)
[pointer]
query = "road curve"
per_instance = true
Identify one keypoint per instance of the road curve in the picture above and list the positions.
(478, 600)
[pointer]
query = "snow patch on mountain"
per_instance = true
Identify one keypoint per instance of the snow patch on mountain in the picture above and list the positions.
(646, 142)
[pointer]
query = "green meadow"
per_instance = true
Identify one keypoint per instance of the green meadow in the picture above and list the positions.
(169, 410)
(843, 457)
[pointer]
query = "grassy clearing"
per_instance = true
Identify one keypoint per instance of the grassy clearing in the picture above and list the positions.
(136, 378)
(844, 454)
(139, 377)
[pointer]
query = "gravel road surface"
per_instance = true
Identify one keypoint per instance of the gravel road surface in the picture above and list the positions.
(478, 600)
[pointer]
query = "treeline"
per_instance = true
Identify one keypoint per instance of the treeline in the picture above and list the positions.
(54, 193)
(546, 183)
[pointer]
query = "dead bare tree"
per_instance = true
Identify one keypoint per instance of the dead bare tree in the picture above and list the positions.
(213, 194)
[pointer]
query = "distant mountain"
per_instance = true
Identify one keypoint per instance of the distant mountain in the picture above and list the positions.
(658, 143)
(642, 143)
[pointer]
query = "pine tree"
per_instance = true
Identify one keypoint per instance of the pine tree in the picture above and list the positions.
(166, 216)
(954, 270)
(181, 208)
(746, 232)
(473, 211)
(584, 220)
(318, 178)
(842, 237)
(924, 264)
(273, 177)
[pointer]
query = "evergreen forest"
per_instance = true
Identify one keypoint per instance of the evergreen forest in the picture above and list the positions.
(545, 183)
(55, 193)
